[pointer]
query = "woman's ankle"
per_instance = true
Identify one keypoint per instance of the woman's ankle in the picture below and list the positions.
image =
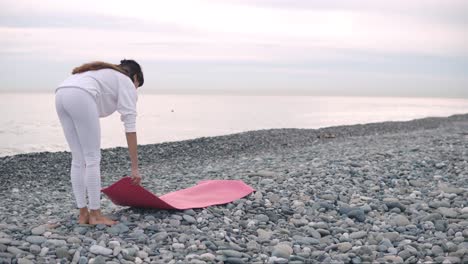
(95, 212)
(84, 210)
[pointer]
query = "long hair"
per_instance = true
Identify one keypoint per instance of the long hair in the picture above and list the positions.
(128, 67)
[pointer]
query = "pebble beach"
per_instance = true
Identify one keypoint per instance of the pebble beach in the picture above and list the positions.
(392, 192)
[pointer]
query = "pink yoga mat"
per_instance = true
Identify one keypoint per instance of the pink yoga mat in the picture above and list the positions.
(205, 193)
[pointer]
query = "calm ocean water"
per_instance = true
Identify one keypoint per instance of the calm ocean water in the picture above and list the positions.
(30, 124)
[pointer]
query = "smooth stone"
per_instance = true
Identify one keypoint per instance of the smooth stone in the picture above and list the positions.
(83, 260)
(197, 261)
(437, 204)
(57, 242)
(178, 246)
(391, 205)
(35, 249)
(189, 212)
(44, 251)
(452, 260)
(234, 260)
(441, 225)
(344, 247)
(399, 220)
(306, 240)
(263, 174)
(323, 232)
(231, 253)
(160, 236)
(113, 244)
(76, 256)
(207, 257)
(447, 212)
(366, 208)
(100, 250)
(24, 261)
(99, 260)
(5, 241)
(252, 245)
(80, 230)
(392, 236)
(142, 254)
(358, 235)
(174, 222)
(277, 260)
(14, 250)
(62, 252)
(117, 229)
(416, 183)
(263, 235)
(190, 219)
(392, 259)
(449, 189)
(282, 251)
(329, 197)
(314, 233)
(437, 250)
(73, 240)
(404, 254)
(39, 230)
(266, 181)
(129, 252)
(36, 239)
(357, 214)
(451, 247)
(262, 218)
(431, 217)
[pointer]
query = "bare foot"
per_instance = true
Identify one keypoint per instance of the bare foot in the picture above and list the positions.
(95, 220)
(83, 219)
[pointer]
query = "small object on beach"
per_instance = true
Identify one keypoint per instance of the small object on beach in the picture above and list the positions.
(327, 135)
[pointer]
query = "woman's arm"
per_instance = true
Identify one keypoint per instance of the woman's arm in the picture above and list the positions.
(133, 152)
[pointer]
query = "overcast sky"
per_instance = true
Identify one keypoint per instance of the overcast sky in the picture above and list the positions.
(327, 47)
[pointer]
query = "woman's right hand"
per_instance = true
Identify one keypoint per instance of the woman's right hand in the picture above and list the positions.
(132, 151)
(136, 178)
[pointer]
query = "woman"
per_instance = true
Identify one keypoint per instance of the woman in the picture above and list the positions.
(94, 90)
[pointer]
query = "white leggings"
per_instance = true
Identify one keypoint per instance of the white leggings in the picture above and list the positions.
(78, 114)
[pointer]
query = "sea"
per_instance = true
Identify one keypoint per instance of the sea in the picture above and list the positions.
(29, 121)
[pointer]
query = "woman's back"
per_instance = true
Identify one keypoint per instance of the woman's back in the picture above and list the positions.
(111, 90)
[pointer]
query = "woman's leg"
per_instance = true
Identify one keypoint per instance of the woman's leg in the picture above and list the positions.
(77, 171)
(83, 110)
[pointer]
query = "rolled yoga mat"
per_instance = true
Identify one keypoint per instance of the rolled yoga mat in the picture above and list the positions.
(204, 194)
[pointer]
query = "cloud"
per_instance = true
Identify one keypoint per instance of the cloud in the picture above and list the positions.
(309, 43)
(237, 28)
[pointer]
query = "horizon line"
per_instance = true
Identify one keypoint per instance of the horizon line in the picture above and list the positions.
(251, 93)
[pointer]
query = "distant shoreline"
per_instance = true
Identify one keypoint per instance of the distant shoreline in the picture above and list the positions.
(301, 134)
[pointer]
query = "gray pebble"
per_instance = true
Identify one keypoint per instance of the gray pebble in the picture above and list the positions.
(99, 250)
(282, 251)
(39, 230)
(36, 239)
